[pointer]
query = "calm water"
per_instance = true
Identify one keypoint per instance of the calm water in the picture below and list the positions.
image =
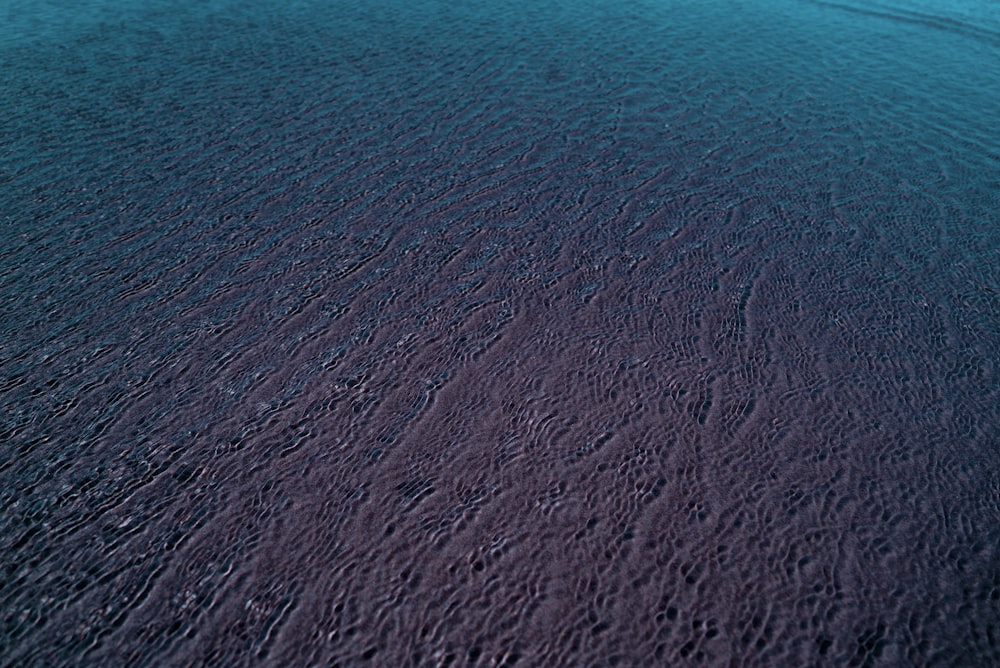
(546, 333)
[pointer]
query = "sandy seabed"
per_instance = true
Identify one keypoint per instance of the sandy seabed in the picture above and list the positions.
(557, 333)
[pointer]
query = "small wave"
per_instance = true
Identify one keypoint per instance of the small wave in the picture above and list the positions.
(954, 24)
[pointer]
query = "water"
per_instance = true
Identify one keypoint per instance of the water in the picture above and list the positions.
(558, 333)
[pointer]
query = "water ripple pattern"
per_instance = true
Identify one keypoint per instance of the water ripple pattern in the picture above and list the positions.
(560, 333)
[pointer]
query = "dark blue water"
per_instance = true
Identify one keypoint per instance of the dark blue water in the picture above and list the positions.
(552, 333)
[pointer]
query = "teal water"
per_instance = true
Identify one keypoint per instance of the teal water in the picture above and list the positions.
(552, 333)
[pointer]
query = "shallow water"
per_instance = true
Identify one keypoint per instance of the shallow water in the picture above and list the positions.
(554, 333)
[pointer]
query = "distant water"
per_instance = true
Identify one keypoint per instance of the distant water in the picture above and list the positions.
(543, 333)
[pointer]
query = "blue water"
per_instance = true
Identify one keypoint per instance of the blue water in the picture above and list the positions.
(551, 333)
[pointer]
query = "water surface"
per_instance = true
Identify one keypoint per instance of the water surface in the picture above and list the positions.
(550, 333)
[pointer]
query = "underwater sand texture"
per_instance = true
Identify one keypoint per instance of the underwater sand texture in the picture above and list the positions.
(477, 334)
